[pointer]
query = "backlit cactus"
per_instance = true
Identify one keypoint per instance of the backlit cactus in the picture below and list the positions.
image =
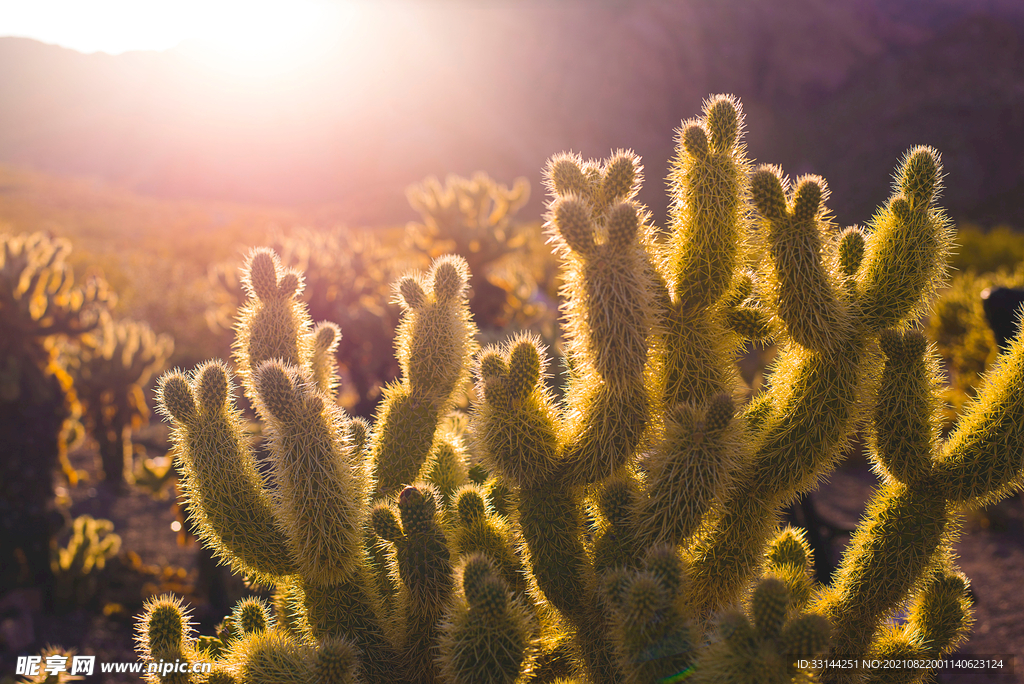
(630, 532)
(475, 217)
(76, 566)
(110, 375)
(40, 305)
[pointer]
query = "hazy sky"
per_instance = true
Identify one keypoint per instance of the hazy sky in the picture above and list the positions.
(243, 29)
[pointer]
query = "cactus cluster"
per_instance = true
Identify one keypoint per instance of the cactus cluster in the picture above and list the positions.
(628, 533)
(110, 372)
(476, 218)
(76, 566)
(39, 305)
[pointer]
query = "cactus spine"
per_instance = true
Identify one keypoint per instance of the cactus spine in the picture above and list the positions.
(629, 534)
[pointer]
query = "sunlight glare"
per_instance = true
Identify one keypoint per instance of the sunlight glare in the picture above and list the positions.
(241, 37)
(268, 38)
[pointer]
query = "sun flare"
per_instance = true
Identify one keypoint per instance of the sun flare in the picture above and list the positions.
(258, 38)
(254, 37)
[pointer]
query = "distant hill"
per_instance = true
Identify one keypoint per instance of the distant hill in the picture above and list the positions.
(836, 87)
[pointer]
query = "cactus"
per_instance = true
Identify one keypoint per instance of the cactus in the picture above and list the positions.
(39, 306)
(110, 376)
(76, 566)
(628, 533)
(474, 217)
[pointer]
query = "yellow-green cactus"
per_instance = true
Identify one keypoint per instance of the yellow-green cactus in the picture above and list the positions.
(629, 533)
(110, 375)
(76, 566)
(41, 309)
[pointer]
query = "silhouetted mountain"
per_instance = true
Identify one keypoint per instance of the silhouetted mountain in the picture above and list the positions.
(836, 87)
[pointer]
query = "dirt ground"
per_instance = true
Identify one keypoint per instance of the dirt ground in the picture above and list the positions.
(991, 553)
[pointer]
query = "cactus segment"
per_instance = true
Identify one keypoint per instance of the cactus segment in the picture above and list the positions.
(906, 250)
(219, 476)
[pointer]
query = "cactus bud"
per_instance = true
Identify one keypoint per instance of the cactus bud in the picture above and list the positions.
(789, 548)
(695, 141)
(175, 397)
(417, 511)
(719, 414)
(851, 250)
(623, 224)
(616, 499)
(326, 337)
(164, 626)
(475, 570)
(723, 121)
(337, 661)
(900, 208)
(805, 635)
(644, 598)
(290, 285)
(941, 613)
(412, 293)
(524, 367)
(810, 191)
(450, 278)
(276, 391)
(469, 502)
(664, 562)
(770, 603)
(767, 192)
(621, 176)
(566, 176)
(251, 615)
(212, 387)
(385, 523)
(262, 274)
(919, 176)
(571, 217)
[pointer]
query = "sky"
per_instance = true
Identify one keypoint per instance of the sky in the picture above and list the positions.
(250, 33)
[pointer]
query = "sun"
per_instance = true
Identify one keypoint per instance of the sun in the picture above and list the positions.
(243, 36)
(270, 37)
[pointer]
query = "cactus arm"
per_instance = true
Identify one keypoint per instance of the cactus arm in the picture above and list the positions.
(888, 554)
(608, 312)
(983, 460)
(708, 182)
(485, 633)
(515, 426)
(273, 325)
(219, 475)
(324, 366)
(905, 253)
(321, 480)
(813, 409)
(905, 434)
(689, 470)
(805, 296)
(434, 341)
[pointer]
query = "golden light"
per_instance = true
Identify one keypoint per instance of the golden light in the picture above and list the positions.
(245, 37)
(259, 39)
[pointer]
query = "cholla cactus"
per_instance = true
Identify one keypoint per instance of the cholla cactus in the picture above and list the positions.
(110, 374)
(76, 566)
(475, 218)
(629, 534)
(39, 304)
(347, 278)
